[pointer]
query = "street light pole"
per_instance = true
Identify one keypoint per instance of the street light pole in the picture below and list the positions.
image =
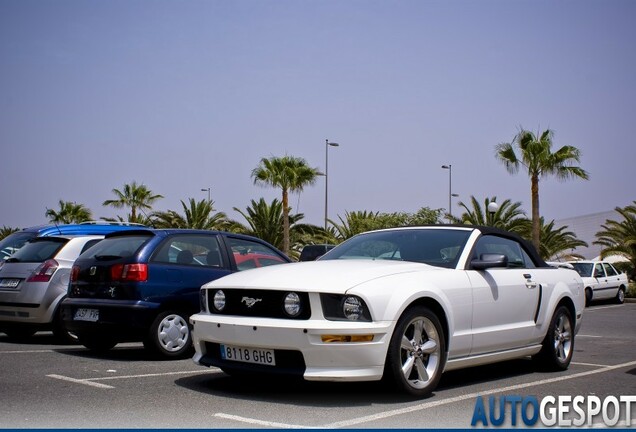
(449, 167)
(206, 189)
(327, 144)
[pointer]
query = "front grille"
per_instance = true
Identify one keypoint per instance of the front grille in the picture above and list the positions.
(258, 303)
(288, 362)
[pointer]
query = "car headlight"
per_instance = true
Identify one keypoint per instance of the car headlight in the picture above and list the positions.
(219, 300)
(292, 304)
(337, 307)
(352, 308)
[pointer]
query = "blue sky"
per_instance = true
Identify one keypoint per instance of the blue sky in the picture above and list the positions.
(185, 95)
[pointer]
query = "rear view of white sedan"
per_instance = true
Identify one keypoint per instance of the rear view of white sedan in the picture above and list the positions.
(403, 304)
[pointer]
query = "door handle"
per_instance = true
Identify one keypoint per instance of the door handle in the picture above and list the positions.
(531, 285)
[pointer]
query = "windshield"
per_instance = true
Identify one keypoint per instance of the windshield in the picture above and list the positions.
(438, 247)
(583, 269)
(115, 248)
(13, 242)
(38, 250)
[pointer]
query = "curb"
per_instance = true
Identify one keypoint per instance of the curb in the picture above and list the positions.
(630, 300)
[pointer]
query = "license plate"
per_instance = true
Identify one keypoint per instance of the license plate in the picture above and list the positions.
(9, 283)
(86, 315)
(248, 355)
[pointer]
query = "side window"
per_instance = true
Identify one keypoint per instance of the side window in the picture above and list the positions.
(517, 257)
(598, 271)
(195, 250)
(250, 254)
(89, 244)
(609, 269)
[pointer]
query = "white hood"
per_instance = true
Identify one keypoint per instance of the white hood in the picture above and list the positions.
(329, 276)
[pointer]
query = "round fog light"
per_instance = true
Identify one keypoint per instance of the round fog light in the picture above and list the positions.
(292, 304)
(219, 300)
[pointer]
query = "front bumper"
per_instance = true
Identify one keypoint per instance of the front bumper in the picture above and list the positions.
(298, 345)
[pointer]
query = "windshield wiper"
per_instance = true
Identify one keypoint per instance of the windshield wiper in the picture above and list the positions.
(12, 260)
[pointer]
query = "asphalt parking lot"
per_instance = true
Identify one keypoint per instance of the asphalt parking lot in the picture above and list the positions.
(45, 385)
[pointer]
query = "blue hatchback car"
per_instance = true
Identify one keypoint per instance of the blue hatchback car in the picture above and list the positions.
(144, 285)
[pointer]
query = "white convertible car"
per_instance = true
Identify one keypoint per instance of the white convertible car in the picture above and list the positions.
(405, 304)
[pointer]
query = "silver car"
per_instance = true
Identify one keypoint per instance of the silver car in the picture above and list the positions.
(34, 280)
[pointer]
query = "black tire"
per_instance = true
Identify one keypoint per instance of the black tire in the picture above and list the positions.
(588, 296)
(417, 353)
(558, 344)
(60, 332)
(97, 343)
(620, 296)
(170, 335)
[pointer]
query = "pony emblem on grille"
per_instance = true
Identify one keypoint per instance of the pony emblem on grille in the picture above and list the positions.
(249, 301)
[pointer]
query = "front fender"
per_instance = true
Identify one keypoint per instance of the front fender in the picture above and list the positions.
(388, 297)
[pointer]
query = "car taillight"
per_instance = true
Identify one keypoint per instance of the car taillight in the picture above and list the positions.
(75, 273)
(129, 272)
(44, 271)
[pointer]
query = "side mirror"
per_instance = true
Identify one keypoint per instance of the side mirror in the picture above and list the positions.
(487, 261)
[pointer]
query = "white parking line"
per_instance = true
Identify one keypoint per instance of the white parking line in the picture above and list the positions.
(91, 381)
(601, 307)
(590, 364)
(261, 423)
(79, 381)
(426, 405)
(590, 336)
(26, 352)
(211, 370)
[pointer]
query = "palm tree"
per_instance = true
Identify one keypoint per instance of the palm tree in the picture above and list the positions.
(534, 153)
(140, 219)
(290, 174)
(619, 238)
(69, 212)
(509, 215)
(135, 196)
(196, 215)
(265, 222)
(357, 222)
(557, 244)
(5, 231)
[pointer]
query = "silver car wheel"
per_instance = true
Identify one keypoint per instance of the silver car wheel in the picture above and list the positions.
(620, 296)
(420, 352)
(173, 333)
(562, 338)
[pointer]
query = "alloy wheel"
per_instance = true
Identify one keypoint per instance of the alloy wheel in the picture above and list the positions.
(420, 352)
(562, 338)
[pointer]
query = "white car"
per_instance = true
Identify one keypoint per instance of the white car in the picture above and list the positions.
(601, 280)
(405, 304)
